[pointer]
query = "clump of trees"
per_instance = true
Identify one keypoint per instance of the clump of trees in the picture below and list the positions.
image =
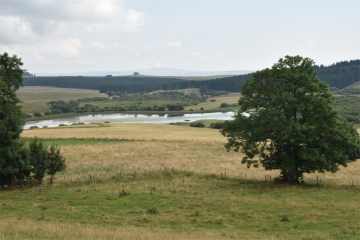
(197, 124)
(217, 125)
(20, 163)
(294, 127)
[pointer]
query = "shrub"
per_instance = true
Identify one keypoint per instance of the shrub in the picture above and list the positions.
(213, 100)
(201, 108)
(224, 105)
(33, 127)
(37, 114)
(56, 111)
(217, 125)
(197, 124)
(47, 113)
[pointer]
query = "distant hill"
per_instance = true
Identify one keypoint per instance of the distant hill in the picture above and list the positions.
(337, 75)
(340, 74)
(163, 72)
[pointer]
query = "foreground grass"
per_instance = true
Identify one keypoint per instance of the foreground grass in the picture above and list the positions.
(181, 205)
(175, 177)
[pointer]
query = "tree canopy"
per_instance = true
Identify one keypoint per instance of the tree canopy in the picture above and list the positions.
(286, 122)
(20, 164)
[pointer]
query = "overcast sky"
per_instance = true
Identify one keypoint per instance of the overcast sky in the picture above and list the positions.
(55, 36)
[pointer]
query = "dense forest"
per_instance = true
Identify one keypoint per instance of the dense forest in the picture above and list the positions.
(337, 75)
(340, 74)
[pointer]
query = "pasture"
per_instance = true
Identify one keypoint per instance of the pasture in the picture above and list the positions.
(34, 98)
(151, 181)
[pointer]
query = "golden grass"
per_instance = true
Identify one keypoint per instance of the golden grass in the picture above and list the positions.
(130, 131)
(159, 146)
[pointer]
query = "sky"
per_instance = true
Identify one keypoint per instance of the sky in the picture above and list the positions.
(57, 36)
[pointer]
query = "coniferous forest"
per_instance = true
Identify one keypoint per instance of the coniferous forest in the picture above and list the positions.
(337, 75)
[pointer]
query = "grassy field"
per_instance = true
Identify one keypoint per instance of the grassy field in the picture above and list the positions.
(34, 99)
(209, 105)
(151, 181)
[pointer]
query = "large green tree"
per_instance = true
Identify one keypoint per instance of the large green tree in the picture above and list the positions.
(13, 156)
(19, 164)
(286, 122)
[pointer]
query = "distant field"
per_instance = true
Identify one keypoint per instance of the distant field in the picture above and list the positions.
(35, 98)
(208, 105)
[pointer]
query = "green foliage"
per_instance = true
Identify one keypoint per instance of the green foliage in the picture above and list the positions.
(37, 114)
(348, 108)
(197, 124)
(225, 105)
(203, 89)
(38, 159)
(217, 125)
(13, 159)
(18, 163)
(293, 126)
(63, 107)
(56, 162)
(340, 74)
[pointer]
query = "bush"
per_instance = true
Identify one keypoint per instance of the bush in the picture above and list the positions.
(27, 115)
(201, 108)
(197, 124)
(47, 113)
(224, 105)
(217, 125)
(33, 127)
(56, 111)
(213, 100)
(37, 114)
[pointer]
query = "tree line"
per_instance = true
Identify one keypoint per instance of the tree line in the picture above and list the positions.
(337, 75)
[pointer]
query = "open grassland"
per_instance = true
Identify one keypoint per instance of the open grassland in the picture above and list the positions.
(182, 184)
(34, 98)
(215, 105)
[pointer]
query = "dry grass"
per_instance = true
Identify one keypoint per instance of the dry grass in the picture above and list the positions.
(12, 228)
(130, 131)
(158, 146)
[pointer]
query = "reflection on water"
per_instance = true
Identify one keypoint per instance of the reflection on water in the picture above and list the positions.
(133, 118)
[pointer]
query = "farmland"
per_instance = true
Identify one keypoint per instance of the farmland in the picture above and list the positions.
(143, 181)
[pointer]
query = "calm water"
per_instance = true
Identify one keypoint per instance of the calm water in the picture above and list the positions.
(132, 118)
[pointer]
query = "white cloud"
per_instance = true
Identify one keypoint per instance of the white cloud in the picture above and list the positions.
(311, 43)
(139, 54)
(98, 45)
(84, 14)
(202, 57)
(68, 48)
(174, 44)
(220, 55)
(15, 30)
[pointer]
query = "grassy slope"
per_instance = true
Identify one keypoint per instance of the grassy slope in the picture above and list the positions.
(193, 201)
(35, 98)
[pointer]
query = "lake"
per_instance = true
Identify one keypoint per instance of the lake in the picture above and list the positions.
(132, 118)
